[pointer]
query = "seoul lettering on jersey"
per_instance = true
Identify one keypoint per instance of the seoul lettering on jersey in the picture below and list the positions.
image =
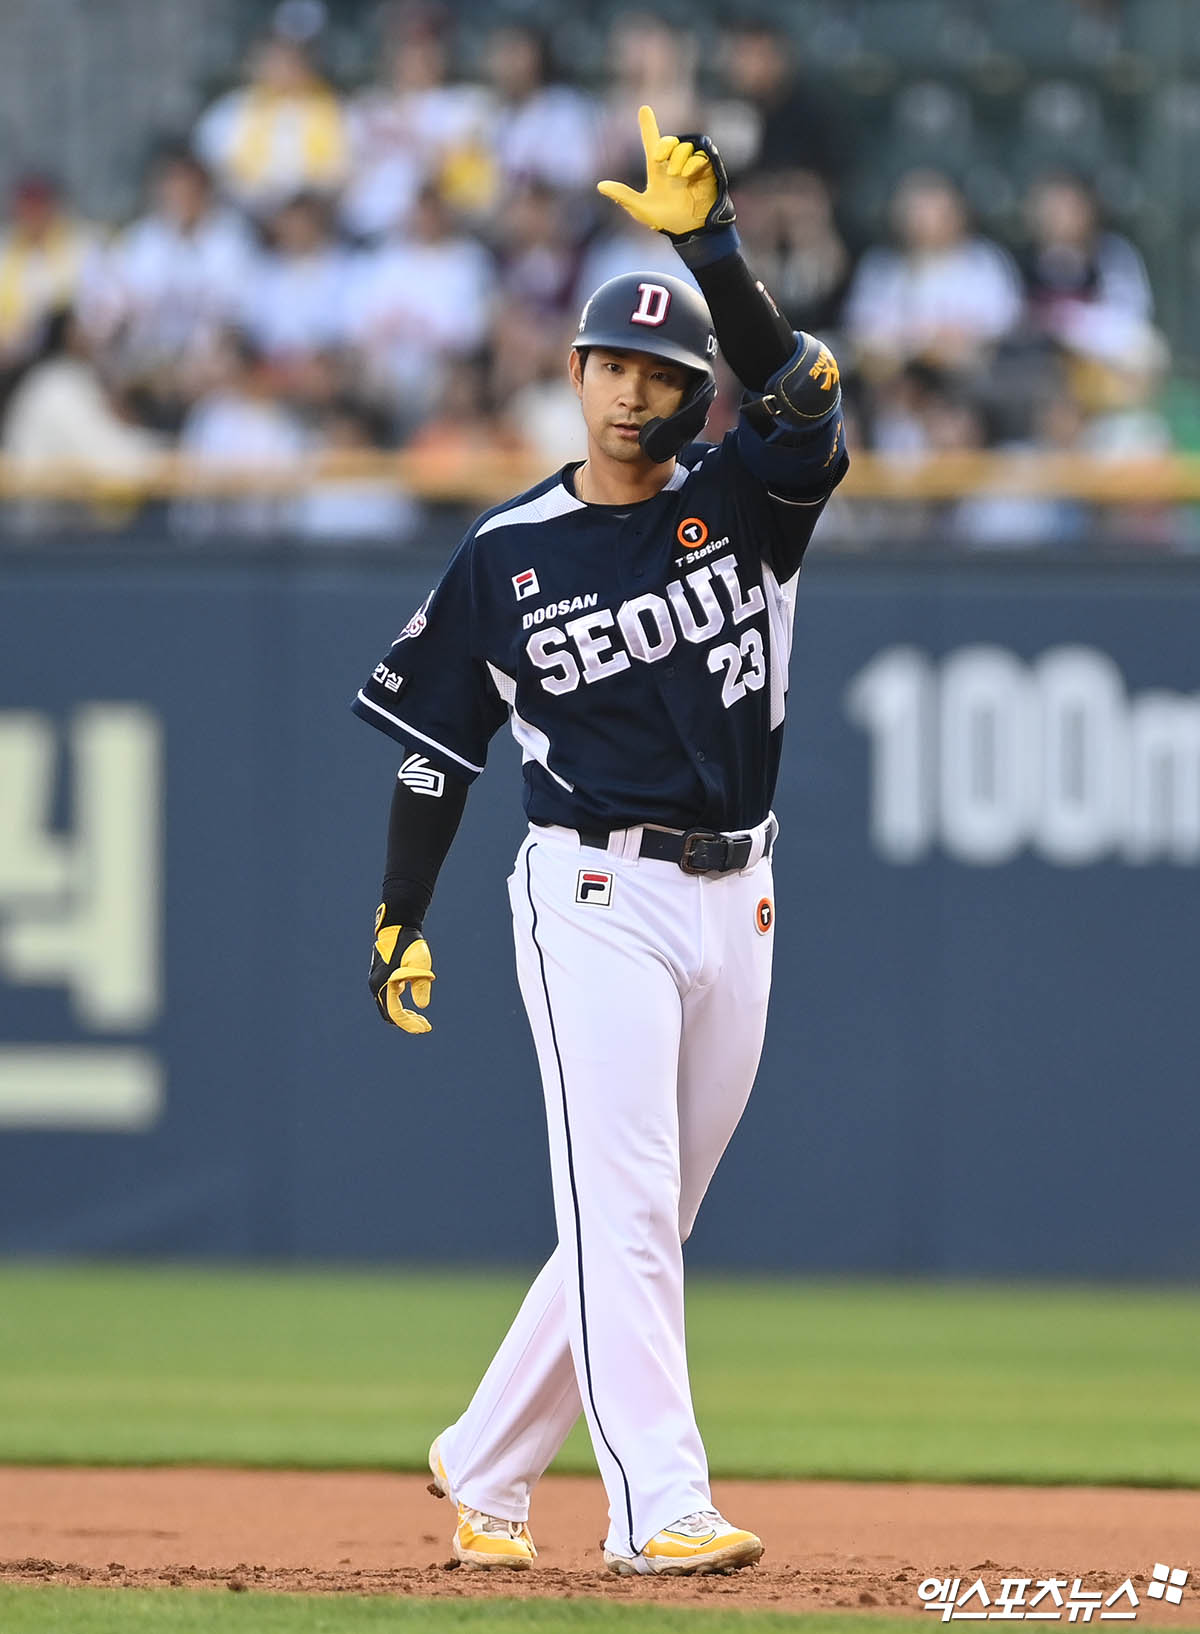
(646, 629)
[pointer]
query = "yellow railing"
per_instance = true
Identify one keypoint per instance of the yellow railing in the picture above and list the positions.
(484, 478)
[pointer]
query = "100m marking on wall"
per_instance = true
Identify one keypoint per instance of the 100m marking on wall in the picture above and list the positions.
(987, 755)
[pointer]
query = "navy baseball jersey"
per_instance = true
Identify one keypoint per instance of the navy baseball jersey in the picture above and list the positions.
(640, 653)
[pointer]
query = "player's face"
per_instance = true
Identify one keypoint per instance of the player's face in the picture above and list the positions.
(619, 392)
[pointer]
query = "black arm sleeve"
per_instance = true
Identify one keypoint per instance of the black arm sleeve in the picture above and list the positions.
(420, 829)
(751, 331)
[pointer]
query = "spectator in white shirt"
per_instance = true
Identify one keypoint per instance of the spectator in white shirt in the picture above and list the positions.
(297, 301)
(537, 130)
(240, 420)
(412, 129)
(61, 413)
(171, 281)
(421, 300)
(1086, 285)
(943, 295)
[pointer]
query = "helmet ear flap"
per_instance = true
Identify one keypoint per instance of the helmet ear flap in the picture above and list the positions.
(661, 439)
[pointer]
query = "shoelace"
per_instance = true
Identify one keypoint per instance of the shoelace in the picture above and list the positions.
(702, 1520)
(493, 1527)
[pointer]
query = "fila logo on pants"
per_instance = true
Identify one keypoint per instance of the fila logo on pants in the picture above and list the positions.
(645, 628)
(594, 887)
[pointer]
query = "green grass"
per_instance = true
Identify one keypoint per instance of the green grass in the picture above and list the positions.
(167, 1611)
(890, 1380)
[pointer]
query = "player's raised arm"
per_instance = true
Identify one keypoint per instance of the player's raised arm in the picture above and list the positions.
(792, 376)
(426, 811)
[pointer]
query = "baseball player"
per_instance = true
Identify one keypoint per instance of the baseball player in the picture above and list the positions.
(631, 618)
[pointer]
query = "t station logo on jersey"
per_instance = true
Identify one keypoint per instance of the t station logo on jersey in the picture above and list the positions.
(692, 533)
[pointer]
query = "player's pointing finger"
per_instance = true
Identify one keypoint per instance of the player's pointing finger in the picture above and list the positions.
(648, 126)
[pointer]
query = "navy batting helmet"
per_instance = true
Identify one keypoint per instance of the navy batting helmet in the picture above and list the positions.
(653, 312)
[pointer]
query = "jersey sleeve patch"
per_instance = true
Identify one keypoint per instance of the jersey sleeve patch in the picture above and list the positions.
(432, 692)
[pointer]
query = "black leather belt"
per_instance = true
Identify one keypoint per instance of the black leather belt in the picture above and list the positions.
(697, 851)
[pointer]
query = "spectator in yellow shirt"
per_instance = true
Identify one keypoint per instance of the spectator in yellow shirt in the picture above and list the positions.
(44, 250)
(282, 133)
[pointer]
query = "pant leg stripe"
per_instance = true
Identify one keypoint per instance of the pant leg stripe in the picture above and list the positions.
(587, 1363)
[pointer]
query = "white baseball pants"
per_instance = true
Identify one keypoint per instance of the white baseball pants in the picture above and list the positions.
(647, 1000)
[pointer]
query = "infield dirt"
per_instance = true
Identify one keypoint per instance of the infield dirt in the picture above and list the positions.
(828, 1544)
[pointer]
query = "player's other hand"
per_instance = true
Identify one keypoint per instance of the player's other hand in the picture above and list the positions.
(686, 191)
(400, 959)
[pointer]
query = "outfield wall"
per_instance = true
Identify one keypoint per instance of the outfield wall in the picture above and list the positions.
(982, 1055)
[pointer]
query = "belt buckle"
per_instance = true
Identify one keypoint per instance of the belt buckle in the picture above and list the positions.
(694, 837)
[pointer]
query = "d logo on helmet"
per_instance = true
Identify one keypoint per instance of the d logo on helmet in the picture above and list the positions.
(654, 302)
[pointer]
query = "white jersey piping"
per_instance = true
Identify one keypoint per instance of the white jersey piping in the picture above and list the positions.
(412, 732)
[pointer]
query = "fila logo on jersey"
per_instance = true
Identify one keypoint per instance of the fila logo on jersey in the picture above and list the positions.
(764, 916)
(692, 532)
(654, 302)
(418, 775)
(525, 584)
(594, 888)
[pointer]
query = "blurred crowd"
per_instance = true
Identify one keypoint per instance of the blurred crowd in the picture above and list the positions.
(320, 268)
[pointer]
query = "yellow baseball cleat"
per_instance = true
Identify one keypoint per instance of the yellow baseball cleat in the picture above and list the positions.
(482, 1540)
(694, 1545)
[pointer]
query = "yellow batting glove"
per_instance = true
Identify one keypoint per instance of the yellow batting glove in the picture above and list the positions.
(681, 187)
(401, 959)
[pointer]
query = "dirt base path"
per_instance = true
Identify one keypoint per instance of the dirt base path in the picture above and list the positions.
(828, 1543)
